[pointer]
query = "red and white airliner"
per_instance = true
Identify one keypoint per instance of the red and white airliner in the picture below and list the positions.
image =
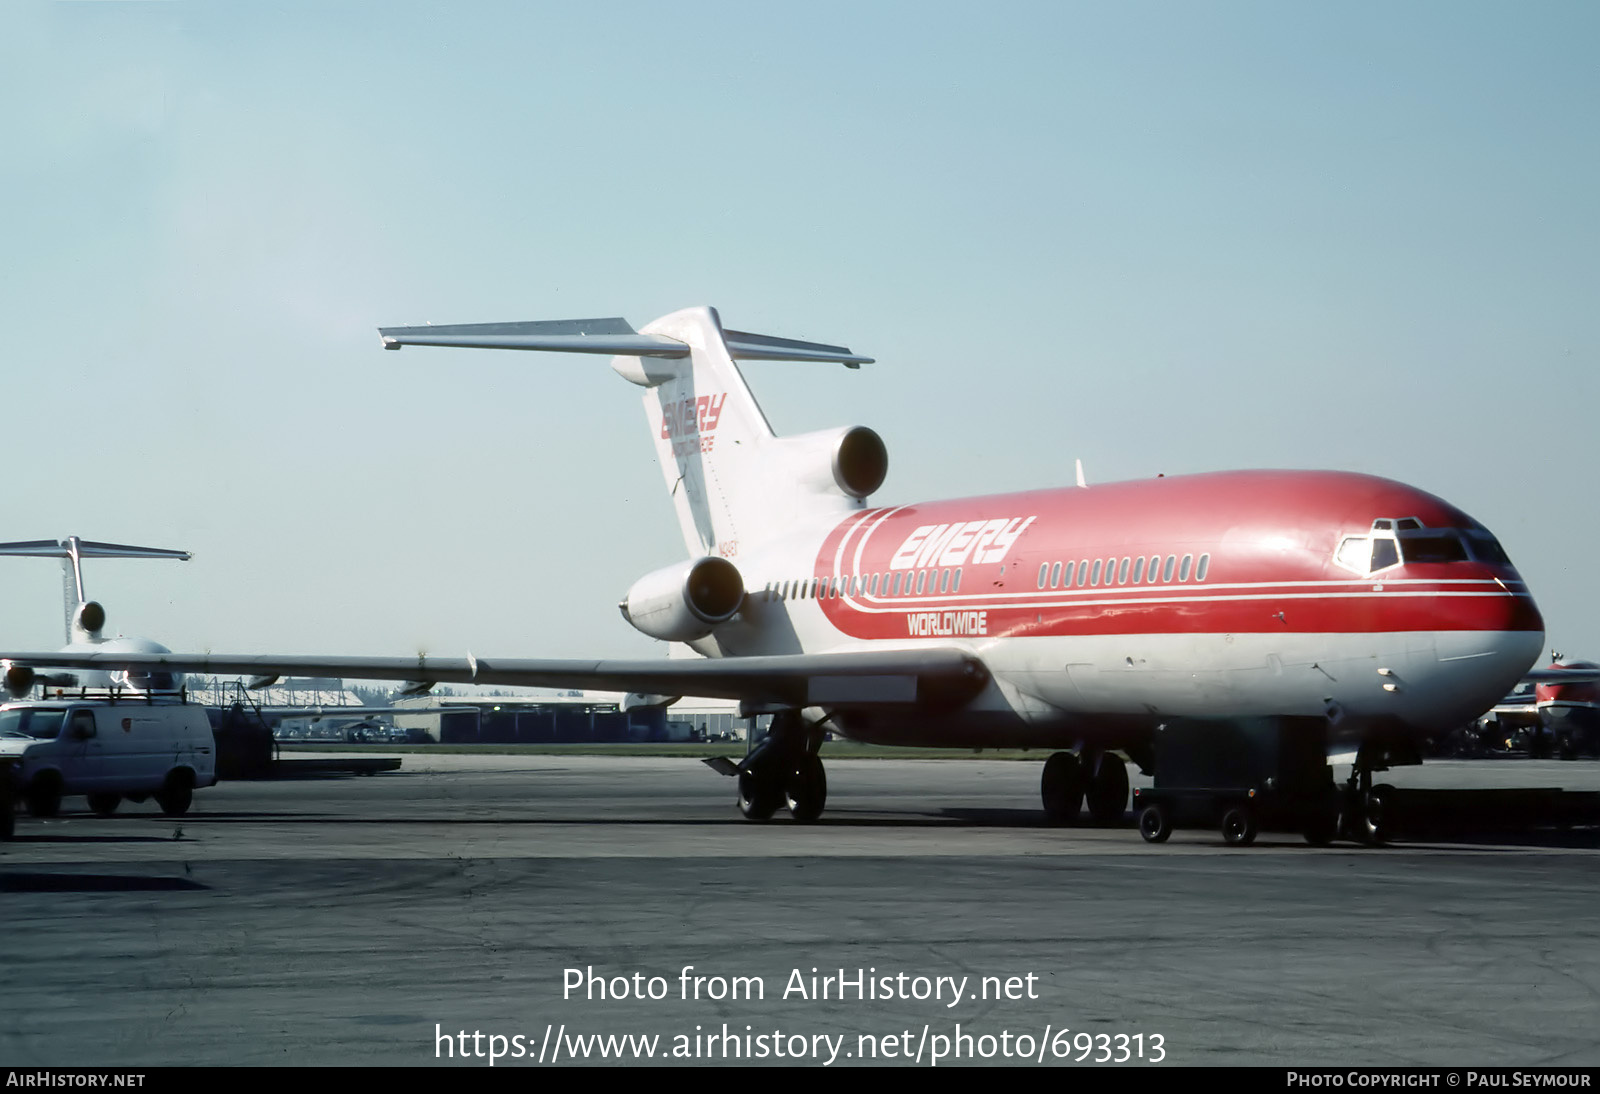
(1567, 696)
(1077, 619)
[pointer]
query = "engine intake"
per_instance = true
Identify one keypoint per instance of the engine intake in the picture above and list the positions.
(683, 602)
(19, 681)
(860, 462)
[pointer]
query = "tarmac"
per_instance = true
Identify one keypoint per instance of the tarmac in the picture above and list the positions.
(385, 920)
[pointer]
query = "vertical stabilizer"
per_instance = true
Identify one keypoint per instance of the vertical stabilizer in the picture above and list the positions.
(709, 433)
(733, 483)
(83, 618)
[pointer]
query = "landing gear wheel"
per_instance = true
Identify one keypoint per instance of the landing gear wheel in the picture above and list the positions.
(1155, 824)
(1238, 827)
(1372, 823)
(758, 798)
(805, 791)
(1107, 796)
(1322, 826)
(1061, 788)
(104, 804)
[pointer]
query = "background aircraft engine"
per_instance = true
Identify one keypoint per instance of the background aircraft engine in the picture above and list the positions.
(19, 681)
(91, 617)
(684, 602)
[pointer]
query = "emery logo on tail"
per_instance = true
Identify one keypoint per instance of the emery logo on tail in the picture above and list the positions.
(953, 544)
(686, 418)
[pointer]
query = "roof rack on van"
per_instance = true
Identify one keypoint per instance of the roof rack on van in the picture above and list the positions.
(118, 695)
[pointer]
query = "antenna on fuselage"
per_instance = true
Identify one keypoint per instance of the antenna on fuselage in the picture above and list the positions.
(1081, 481)
(72, 551)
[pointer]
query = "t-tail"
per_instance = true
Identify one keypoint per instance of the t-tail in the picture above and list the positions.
(735, 485)
(84, 617)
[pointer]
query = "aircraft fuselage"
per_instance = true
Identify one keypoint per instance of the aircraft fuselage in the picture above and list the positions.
(1103, 611)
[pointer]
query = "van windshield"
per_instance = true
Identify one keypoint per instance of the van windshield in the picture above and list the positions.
(41, 725)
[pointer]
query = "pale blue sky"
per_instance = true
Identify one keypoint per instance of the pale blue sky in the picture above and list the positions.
(1157, 237)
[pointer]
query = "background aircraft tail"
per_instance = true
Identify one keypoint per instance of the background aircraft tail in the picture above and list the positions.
(84, 618)
(733, 482)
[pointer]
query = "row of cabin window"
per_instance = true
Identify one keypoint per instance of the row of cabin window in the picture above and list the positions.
(904, 583)
(1066, 575)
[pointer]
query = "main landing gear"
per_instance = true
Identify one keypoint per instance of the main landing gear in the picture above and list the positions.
(1363, 812)
(783, 771)
(1095, 778)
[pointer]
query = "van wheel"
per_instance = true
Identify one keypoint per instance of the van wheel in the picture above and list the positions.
(104, 804)
(44, 796)
(174, 798)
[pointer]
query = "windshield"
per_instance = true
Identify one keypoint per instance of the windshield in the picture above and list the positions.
(41, 725)
(1392, 541)
(1433, 545)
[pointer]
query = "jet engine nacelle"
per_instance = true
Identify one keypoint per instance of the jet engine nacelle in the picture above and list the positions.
(89, 619)
(19, 681)
(853, 461)
(684, 602)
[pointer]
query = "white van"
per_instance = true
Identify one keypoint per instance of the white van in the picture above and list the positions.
(108, 750)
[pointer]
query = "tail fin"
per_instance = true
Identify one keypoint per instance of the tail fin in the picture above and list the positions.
(80, 623)
(732, 480)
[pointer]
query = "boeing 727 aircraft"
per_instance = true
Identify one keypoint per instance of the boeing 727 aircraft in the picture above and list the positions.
(1079, 619)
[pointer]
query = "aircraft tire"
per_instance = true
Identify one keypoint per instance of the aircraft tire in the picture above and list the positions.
(1107, 794)
(104, 804)
(1155, 824)
(805, 791)
(759, 798)
(44, 796)
(1238, 827)
(1373, 826)
(1061, 788)
(1321, 827)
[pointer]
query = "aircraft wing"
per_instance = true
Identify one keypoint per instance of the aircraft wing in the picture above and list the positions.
(874, 678)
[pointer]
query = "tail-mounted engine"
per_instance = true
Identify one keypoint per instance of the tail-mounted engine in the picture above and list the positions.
(684, 602)
(852, 461)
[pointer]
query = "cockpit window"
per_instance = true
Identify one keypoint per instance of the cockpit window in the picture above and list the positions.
(1433, 545)
(1406, 538)
(1485, 548)
(41, 725)
(1384, 553)
(1355, 554)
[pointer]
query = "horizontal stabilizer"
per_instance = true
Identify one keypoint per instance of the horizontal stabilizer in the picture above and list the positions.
(762, 347)
(613, 337)
(49, 548)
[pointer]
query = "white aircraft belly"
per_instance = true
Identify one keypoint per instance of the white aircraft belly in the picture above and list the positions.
(1433, 677)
